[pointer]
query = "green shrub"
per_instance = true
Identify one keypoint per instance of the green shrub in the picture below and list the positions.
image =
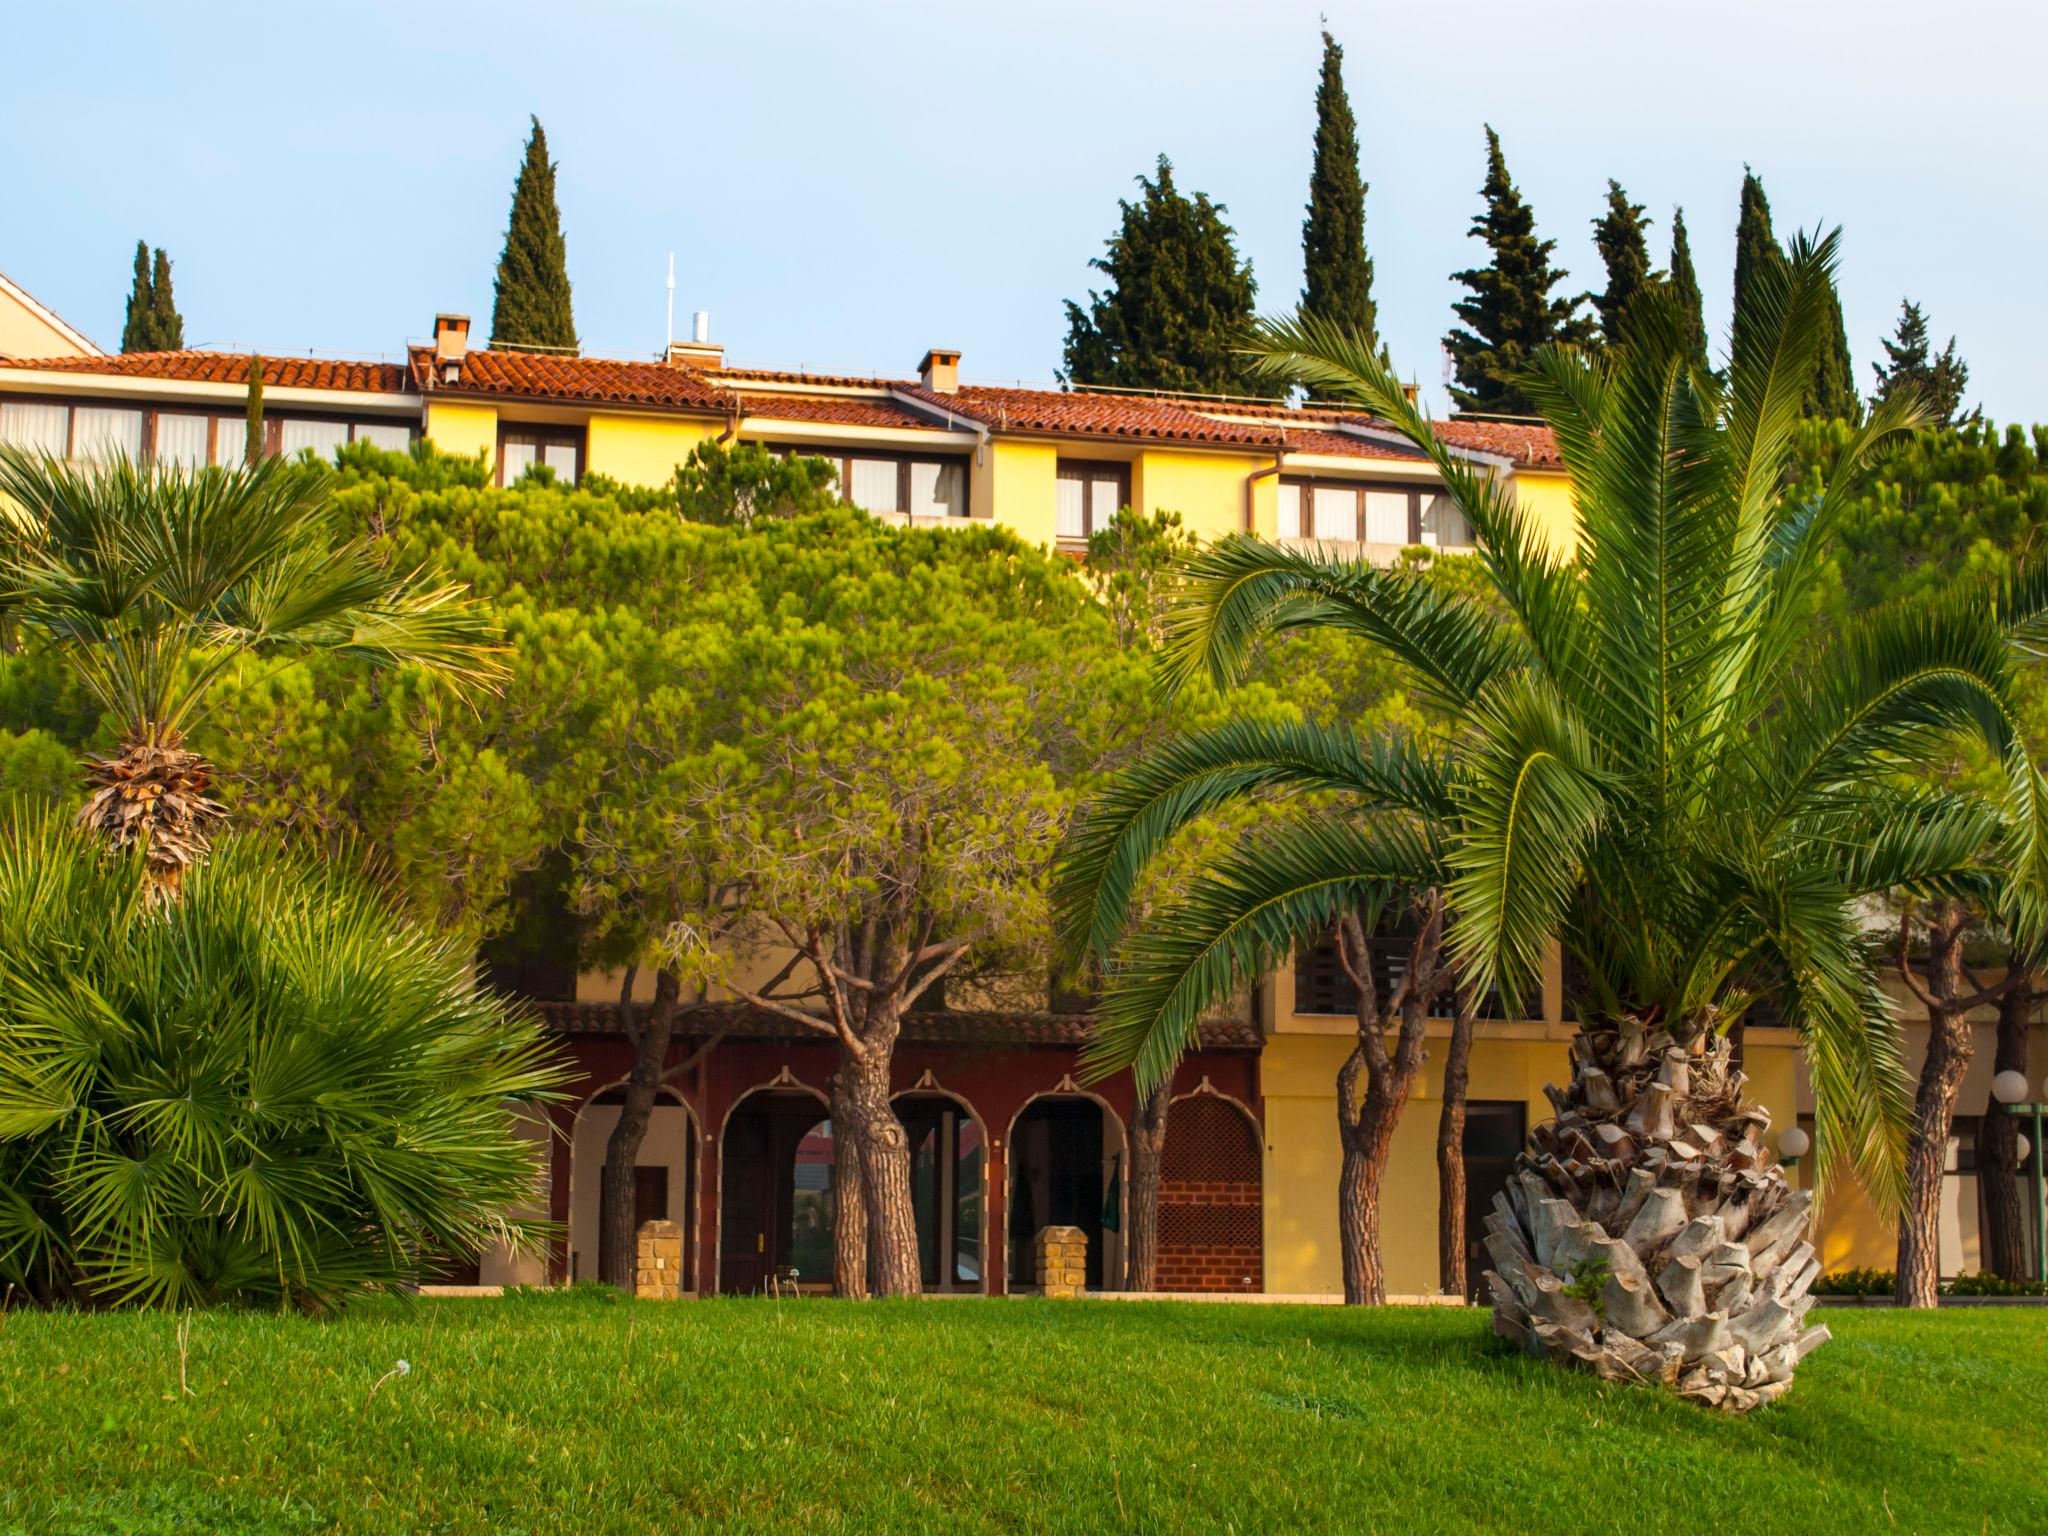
(271, 1090)
(1883, 1282)
(1984, 1283)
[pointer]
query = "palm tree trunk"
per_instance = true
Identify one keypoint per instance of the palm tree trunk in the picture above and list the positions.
(151, 795)
(617, 1238)
(1450, 1149)
(1646, 1235)
(1998, 1144)
(1148, 1156)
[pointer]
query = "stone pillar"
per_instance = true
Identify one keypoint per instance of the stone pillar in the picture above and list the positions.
(1062, 1260)
(658, 1261)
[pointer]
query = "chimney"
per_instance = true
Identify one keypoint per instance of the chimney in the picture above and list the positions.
(940, 371)
(1410, 392)
(700, 351)
(451, 346)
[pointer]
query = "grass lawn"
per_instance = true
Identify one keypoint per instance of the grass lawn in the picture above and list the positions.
(570, 1413)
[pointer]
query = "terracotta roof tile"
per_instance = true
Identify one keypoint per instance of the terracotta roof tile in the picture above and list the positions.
(1531, 445)
(743, 377)
(1080, 413)
(591, 380)
(1066, 1031)
(840, 410)
(1344, 445)
(233, 368)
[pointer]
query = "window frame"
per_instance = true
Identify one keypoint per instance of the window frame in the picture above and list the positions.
(233, 422)
(541, 435)
(1088, 471)
(1418, 495)
(841, 457)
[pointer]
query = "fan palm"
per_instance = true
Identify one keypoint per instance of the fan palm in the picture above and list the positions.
(273, 1089)
(1656, 765)
(156, 585)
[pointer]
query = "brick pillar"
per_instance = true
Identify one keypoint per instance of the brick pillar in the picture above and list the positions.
(658, 1261)
(1062, 1260)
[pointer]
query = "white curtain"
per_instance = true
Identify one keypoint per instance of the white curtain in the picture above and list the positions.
(1336, 512)
(323, 437)
(230, 441)
(36, 428)
(391, 437)
(515, 459)
(873, 485)
(1290, 511)
(936, 490)
(562, 459)
(1073, 508)
(180, 440)
(102, 431)
(1386, 517)
(1443, 525)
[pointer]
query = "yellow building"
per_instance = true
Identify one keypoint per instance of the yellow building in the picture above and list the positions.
(929, 449)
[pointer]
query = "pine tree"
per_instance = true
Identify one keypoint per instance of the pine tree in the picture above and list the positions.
(1337, 272)
(138, 333)
(1685, 286)
(1178, 305)
(170, 325)
(1618, 234)
(1510, 313)
(532, 306)
(1910, 364)
(1832, 394)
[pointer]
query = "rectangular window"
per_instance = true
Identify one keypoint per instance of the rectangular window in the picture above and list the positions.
(1443, 525)
(1290, 509)
(937, 490)
(320, 438)
(1336, 510)
(392, 437)
(1089, 495)
(180, 440)
(34, 427)
(564, 458)
(871, 485)
(100, 432)
(1386, 517)
(230, 441)
(520, 449)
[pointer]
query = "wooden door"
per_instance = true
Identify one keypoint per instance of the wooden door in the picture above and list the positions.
(1495, 1131)
(747, 1208)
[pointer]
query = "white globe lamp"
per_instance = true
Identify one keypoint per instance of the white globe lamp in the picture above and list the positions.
(1794, 1144)
(2009, 1087)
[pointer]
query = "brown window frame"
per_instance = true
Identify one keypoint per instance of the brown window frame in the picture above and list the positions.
(841, 458)
(1088, 471)
(541, 435)
(233, 422)
(1418, 496)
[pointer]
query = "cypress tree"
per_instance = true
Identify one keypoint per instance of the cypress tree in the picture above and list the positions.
(170, 325)
(252, 415)
(532, 306)
(1911, 364)
(138, 332)
(1178, 305)
(1756, 247)
(1833, 393)
(1685, 286)
(1618, 233)
(1337, 272)
(1510, 313)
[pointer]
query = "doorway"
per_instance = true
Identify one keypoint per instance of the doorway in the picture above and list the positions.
(1066, 1170)
(947, 1162)
(776, 1201)
(1496, 1130)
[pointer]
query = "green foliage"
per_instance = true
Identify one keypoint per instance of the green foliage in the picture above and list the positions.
(36, 771)
(531, 304)
(1912, 366)
(1885, 1282)
(1618, 234)
(1685, 289)
(1130, 563)
(745, 483)
(1336, 271)
(1831, 385)
(1510, 313)
(1589, 1284)
(1178, 305)
(252, 415)
(270, 1091)
(152, 322)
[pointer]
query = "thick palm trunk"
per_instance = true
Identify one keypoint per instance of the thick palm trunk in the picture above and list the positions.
(152, 795)
(1148, 1161)
(849, 1199)
(884, 1171)
(1450, 1152)
(1998, 1145)
(1645, 1234)
(617, 1238)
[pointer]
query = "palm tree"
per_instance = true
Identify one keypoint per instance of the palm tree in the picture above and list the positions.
(156, 585)
(1658, 767)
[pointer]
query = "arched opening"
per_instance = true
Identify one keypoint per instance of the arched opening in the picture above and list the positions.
(664, 1174)
(948, 1174)
(775, 1193)
(1211, 1215)
(1066, 1169)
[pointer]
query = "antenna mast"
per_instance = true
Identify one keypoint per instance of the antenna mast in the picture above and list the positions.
(669, 339)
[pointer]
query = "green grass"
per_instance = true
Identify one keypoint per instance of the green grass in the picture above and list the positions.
(572, 1414)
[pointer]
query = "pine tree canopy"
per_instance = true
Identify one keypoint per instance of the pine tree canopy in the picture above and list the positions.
(170, 325)
(1685, 286)
(1510, 313)
(532, 306)
(1337, 272)
(1179, 302)
(1911, 365)
(1618, 233)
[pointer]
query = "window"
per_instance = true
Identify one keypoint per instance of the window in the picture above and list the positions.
(319, 438)
(520, 449)
(392, 437)
(1290, 509)
(181, 440)
(937, 490)
(178, 439)
(871, 485)
(101, 432)
(1089, 495)
(1336, 511)
(35, 427)
(1344, 511)
(945, 1191)
(895, 483)
(1443, 525)
(1386, 517)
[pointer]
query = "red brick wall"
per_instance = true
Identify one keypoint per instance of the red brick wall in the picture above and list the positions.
(1211, 1220)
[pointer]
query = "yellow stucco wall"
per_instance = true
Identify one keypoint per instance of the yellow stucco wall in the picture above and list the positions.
(644, 450)
(1206, 489)
(1014, 484)
(463, 428)
(1548, 499)
(25, 333)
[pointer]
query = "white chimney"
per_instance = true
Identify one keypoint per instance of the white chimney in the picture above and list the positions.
(700, 351)
(940, 371)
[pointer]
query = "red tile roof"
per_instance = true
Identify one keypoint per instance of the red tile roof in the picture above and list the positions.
(590, 380)
(1080, 413)
(233, 368)
(742, 377)
(1067, 1031)
(1530, 444)
(840, 410)
(1343, 444)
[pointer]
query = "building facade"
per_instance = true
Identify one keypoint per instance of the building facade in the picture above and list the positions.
(1004, 1137)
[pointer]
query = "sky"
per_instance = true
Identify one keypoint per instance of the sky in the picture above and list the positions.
(845, 185)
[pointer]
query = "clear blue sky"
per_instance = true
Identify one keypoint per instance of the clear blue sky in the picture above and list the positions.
(845, 185)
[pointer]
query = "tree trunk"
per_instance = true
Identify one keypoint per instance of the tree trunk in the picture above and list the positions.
(849, 1199)
(1998, 1145)
(1450, 1151)
(1148, 1154)
(885, 1170)
(1645, 1236)
(1934, 1109)
(616, 1238)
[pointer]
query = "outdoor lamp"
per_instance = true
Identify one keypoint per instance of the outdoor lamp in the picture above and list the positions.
(2009, 1087)
(1793, 1145)
(2009, 1090)
(2021, 1148)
